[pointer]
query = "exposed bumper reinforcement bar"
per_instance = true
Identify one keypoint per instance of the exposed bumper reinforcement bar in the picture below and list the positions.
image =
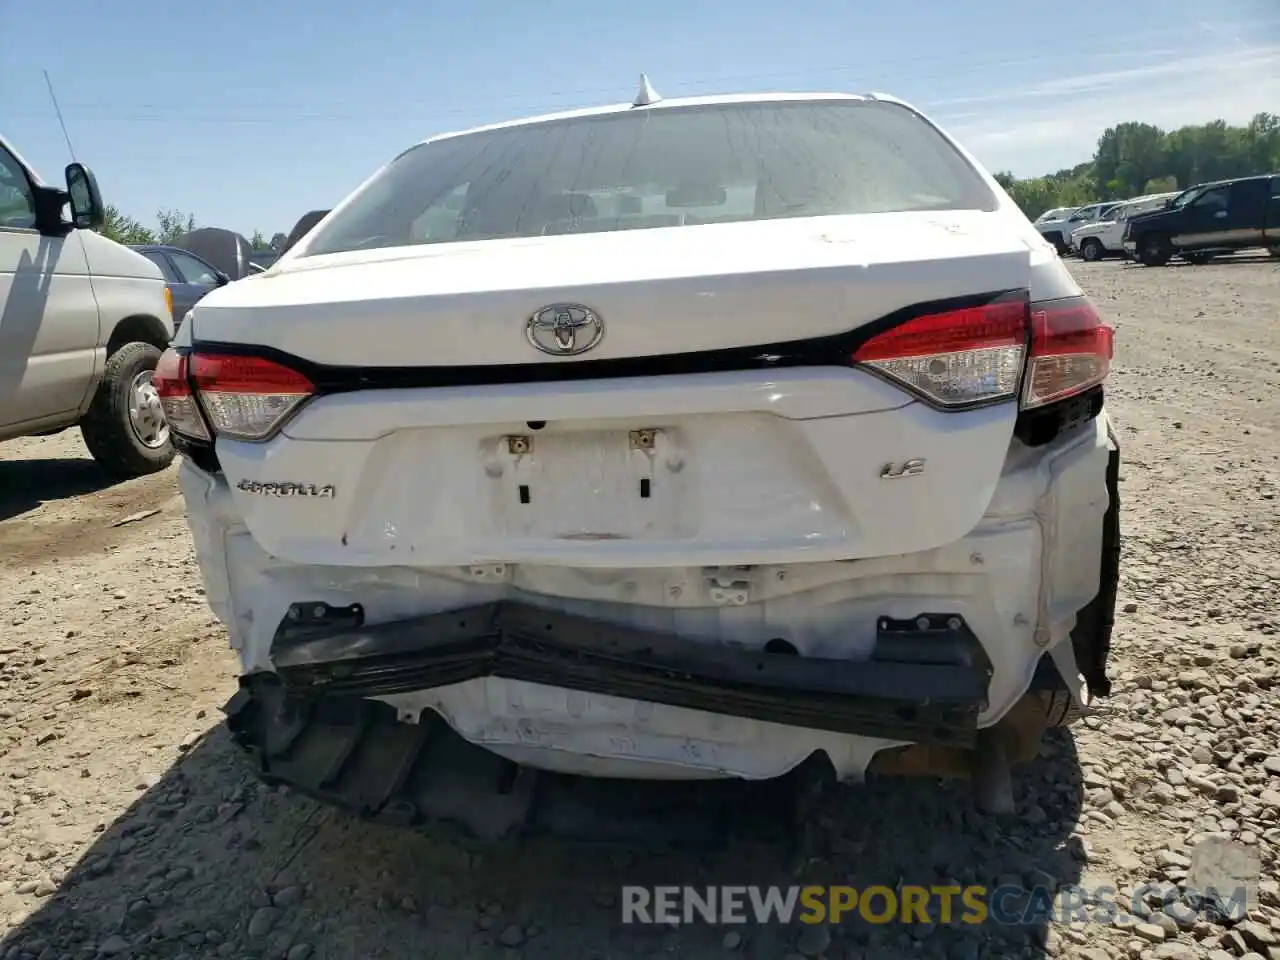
(925, 681)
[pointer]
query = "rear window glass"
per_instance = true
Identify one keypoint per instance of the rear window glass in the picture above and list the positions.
(658, 167)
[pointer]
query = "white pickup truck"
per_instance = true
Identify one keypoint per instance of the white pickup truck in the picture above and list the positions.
(1105, 238)
(1056, 225)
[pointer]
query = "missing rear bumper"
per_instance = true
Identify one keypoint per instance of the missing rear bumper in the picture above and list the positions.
(355, 755)
(925, 682)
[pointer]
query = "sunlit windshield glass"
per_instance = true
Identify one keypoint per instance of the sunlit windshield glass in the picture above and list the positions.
(660, 167)
(1183, 199)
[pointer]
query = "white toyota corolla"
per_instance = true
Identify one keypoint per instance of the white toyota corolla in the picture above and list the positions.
(677, 439)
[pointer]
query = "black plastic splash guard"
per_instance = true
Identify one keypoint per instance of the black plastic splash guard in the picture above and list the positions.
(925, 681)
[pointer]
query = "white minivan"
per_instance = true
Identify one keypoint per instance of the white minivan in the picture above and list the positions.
(83, 321)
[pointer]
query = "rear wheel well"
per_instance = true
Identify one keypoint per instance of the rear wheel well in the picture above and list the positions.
(139, 328)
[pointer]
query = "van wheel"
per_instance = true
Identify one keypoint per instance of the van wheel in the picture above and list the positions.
(1155, 250)
(125, 429)
(1091, 250)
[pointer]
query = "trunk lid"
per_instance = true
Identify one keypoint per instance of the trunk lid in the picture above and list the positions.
(658, 291)
(687, 469)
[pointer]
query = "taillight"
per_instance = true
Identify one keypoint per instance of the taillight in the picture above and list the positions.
(978, 355)
(957, 358)
(244, 398)
(1071, 351)
(180, 409)
(247, 398)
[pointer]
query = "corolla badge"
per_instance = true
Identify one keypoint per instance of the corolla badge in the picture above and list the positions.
(325, 491)
(564, 329)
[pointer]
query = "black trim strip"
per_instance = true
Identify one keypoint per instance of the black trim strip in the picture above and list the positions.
(820, 351)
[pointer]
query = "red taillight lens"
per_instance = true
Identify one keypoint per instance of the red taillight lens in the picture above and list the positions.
(957, 358)
(976, 355)
(180, 409)
(247, 398)
(1071, 351)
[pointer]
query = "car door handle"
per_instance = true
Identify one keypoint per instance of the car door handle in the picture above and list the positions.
(1220, 214)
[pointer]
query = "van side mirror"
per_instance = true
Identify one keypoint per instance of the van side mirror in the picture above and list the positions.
(87, 209)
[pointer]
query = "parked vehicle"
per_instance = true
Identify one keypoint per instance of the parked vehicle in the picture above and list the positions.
(1105, 238)
(261, 260)
(305, 224)
(1058, 232)
(188, 276)
(226, 250)
(1052, 225)
(83, 321)
(1209, 219)
(1056, 213)
(658, 458)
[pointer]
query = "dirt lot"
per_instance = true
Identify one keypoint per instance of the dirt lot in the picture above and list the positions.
(129, 827)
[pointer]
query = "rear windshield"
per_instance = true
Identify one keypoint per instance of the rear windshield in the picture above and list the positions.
(658, 167)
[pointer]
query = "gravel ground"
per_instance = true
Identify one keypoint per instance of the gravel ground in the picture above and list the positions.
(129, 827)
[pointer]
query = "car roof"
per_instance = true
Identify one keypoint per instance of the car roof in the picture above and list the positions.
(667, 104)
(1223, 183)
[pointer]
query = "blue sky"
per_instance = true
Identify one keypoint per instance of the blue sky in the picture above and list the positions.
(249, 114)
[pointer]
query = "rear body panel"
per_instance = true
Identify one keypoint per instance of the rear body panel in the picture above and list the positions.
(746, 466)
(741, 471)
(1018, 578)
(694, 476)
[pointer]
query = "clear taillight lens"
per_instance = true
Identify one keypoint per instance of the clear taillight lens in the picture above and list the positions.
(247, 398)
(957, 358)
(179, 403)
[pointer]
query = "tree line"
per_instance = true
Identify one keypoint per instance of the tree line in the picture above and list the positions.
(1134, 159)
(170, 225)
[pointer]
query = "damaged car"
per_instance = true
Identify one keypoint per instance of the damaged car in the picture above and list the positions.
(680, 440)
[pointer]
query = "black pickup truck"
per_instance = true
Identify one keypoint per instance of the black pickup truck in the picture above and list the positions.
(1209, 219)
